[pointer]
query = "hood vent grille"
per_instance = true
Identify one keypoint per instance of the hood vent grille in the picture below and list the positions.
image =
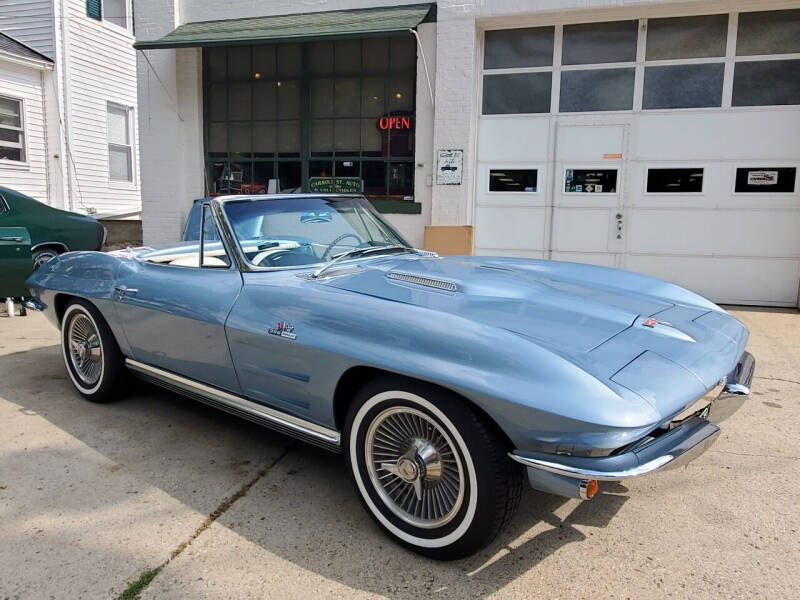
(438, 284)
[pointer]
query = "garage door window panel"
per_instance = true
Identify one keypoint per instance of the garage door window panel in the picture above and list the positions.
(592, 43)
(683, 86)
(517, 93)
(675, 181)
(597, 90)
(768, 32)
(767, 69)
(765, 180)
(590, 181)
(12, 132)
(515, 48)
(767, 83)
(687, 37)
(514, 180)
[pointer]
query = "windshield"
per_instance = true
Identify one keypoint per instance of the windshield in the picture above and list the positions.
(300, 231)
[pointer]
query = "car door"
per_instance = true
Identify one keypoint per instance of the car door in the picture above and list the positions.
(16, 263)
(173, 313)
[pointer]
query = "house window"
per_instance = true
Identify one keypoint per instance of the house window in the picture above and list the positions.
(113, 11)
(767, 68)
(120, 149)
(12, 134)
(674, 181)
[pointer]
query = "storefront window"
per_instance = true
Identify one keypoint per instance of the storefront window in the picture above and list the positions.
(287, 113)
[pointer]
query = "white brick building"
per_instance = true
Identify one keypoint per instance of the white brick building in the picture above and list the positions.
(651, 135)
(71, 99)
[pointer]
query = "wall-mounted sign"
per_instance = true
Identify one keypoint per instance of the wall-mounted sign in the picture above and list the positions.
(762, 178)
(397, 123)
(335, 185)
(449, 167)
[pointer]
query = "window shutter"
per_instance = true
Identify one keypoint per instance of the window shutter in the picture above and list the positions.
(94, 9)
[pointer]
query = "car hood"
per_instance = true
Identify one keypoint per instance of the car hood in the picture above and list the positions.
(592, 316)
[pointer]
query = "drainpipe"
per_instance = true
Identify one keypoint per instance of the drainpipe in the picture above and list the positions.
(65, 89)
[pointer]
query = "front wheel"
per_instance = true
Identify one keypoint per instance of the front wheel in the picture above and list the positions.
(93, 358)
(430, 471)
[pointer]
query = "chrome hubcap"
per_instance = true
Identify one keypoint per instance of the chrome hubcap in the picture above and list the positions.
(414, 468)
(85, 351)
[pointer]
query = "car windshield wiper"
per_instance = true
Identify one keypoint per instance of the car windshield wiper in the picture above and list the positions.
(359, 252)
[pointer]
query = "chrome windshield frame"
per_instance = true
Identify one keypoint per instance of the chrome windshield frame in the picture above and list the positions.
(245, 266)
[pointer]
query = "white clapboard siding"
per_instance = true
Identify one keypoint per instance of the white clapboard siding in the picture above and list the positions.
(101, 69)
(25, 83)
(29, 22)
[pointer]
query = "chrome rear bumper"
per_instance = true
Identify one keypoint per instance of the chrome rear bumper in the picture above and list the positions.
(680, 444)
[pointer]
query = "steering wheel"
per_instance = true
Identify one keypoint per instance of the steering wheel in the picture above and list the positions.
(335, 242)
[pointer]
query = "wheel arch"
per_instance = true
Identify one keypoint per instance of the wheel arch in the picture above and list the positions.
(60, 246)
(356, 377)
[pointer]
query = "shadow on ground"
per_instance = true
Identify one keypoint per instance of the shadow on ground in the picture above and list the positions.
(199, 455)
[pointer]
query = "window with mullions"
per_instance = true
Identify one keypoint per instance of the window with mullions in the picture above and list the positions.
(767, 70)
(696, 84)
(290, 112)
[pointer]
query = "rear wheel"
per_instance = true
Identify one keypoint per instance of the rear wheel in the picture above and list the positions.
(42, 255)
(91, 354)
(430, 471)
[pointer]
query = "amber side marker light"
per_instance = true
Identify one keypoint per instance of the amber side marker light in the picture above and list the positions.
(588, 488)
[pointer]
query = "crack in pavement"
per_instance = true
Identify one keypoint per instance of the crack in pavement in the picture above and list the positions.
(756, 455)
(135, 588)
(777, 379)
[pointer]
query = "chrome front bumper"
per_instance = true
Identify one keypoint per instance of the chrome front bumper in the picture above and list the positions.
(683, 441)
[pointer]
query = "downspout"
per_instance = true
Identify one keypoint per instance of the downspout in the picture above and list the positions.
(48, 158)
(66, 155)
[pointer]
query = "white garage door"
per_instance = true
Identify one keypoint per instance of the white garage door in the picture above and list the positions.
(705, 196)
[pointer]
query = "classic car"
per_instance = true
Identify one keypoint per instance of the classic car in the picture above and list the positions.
(442, 379)
(52, 231)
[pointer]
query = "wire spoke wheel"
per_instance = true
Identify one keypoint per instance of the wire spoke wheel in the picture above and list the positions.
(85, 349)
(414, 468)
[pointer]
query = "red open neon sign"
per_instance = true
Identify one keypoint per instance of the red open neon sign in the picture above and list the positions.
(394, 123)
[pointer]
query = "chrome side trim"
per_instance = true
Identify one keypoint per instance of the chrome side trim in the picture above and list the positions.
(286, 423)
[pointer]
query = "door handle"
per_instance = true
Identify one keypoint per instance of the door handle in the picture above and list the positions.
(121, 290)
(11, 238)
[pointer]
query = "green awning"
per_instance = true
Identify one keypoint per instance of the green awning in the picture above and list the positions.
(298, 27)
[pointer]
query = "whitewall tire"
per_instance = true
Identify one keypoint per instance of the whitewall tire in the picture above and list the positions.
(429, 470)
(91, 355)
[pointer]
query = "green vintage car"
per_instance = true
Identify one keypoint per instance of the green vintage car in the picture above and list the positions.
(31, 233)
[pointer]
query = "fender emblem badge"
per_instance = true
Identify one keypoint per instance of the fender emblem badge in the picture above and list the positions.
(651, 322)
(284, 330)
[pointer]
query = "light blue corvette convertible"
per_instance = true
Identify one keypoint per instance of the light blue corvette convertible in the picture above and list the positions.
(441, 379)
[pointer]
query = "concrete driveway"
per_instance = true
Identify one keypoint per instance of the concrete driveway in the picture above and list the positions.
(159, 495)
